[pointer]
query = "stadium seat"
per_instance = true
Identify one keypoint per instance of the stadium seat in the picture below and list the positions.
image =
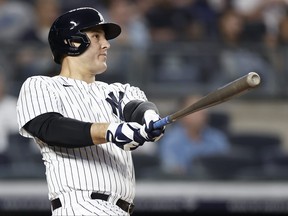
(258, 146)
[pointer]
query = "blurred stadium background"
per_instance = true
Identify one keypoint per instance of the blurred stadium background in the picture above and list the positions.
(169, 49)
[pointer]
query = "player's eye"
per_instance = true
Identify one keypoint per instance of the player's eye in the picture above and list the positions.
(96, 36)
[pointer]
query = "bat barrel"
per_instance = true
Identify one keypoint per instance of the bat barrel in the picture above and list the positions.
(220, 95)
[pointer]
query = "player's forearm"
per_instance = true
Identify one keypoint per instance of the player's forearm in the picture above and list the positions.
(98, 132)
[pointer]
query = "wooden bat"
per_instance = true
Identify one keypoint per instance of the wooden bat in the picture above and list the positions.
(220, 95)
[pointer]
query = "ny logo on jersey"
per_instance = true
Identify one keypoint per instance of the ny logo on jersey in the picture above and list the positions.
(116, 104)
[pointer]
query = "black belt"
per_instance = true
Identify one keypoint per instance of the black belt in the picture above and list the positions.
(125, 206)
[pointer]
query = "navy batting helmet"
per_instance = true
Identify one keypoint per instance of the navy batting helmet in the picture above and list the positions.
(68, 28)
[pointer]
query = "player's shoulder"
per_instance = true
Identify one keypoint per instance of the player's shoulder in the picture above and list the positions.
(37, 82)
(39, 78)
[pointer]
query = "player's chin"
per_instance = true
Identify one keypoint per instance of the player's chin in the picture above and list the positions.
(102, 69)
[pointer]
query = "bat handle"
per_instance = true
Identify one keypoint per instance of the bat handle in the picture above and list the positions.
(162, 122)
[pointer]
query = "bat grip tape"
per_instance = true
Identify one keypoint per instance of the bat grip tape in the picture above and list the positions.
(162, 122)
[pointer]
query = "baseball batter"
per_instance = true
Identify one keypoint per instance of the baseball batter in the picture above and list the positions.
(86, 129)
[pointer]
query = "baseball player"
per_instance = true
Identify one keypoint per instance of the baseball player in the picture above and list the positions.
(86, 129)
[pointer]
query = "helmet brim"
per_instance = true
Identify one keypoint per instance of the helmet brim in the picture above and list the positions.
(112, 30)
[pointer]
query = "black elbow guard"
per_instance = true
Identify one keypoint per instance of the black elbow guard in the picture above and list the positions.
(135, 109)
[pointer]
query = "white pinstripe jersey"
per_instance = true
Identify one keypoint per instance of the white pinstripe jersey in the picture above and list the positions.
(104, 168)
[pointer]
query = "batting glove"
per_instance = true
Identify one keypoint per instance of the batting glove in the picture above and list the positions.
(147, 131)
(126, 136)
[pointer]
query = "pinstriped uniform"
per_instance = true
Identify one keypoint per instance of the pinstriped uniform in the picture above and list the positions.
(71, 172)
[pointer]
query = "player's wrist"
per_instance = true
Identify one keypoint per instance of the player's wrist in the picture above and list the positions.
(98, 132)
(110, 131)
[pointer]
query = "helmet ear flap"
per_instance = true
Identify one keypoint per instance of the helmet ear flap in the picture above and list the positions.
(78, 43)
(73, 45)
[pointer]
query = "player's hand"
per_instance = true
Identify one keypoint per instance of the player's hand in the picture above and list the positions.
(151, 134)
(126, 135)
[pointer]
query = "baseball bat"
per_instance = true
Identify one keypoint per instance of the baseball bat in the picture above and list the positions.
(220, 95)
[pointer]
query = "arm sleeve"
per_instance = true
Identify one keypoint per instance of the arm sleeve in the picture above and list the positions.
(56, 130)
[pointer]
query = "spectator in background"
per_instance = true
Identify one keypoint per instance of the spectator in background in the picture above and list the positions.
(46, 12)
(135, 32)
(276, 51)
(162, 21)
(15, 18)
(182, 20)
(231, 28)
(262, 16)
(35, 56)
(170, 22)
(67, 5)
(189, 139)
(202, 24)
(238, 57)
(251, 13)
(8, 118)
(130, 47)
(283, 48)
(144, 6)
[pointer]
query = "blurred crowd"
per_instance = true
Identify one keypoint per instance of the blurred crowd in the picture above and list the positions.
(205, 42)
(202, 43)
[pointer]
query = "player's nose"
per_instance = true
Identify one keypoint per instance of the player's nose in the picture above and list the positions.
(105, 44)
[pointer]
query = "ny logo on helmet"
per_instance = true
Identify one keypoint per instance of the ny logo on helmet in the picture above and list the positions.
(74, 24)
